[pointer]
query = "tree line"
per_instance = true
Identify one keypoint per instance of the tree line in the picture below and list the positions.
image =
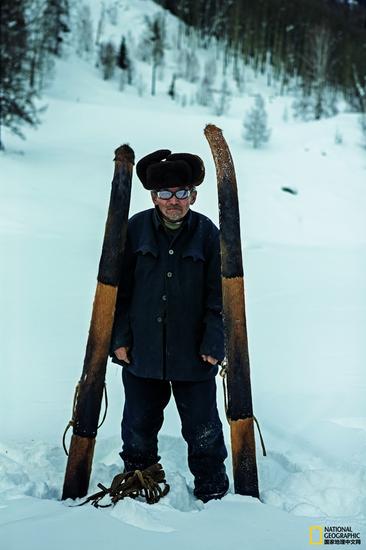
(316, 43)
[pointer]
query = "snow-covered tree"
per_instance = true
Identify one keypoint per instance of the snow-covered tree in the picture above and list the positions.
(188, 65)
(312, 106)
(101, 24)
(140, 84)
(55, 25)
(222, 104)
(107, 59)
(17, 96)
(84, 31)
(256, 130)
(204, 95)
(151, 46)
(318, 99)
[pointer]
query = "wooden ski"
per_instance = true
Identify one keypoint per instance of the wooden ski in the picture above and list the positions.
(240, 409)
(89, 391)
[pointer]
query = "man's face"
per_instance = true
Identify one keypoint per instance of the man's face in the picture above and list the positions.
(174, 208)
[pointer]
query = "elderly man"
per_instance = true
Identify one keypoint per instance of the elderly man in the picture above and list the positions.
(168, 328)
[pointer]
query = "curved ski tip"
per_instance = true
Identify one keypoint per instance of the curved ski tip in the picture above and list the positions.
(124, 152)
(212, 129)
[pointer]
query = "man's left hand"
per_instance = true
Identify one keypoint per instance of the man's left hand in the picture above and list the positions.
(209, 359)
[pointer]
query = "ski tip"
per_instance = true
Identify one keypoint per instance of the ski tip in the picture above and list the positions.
(124, 153)
(211, 129)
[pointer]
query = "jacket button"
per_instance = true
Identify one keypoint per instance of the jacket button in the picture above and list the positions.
(164, 297)
(169, 274)
(171, 251)
(159, 319)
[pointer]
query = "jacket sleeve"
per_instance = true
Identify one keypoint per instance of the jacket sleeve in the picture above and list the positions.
(121, 332)
(213, 334)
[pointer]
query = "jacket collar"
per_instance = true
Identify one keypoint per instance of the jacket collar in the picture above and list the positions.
(158, 222)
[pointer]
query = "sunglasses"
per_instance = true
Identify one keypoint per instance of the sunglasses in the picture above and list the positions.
(165, 194)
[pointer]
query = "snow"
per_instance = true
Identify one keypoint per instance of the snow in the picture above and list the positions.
(305, 285)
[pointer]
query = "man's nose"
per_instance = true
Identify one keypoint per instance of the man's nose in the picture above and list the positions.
(173, 200)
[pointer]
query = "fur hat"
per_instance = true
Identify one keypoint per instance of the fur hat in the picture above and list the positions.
(162, 169)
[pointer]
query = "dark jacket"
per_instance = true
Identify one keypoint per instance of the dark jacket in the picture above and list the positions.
(169, 302)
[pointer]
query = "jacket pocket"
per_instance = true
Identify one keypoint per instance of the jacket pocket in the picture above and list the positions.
(147, 248)
(194, 253)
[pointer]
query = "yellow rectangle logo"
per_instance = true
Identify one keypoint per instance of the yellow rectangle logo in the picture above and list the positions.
(316, 534)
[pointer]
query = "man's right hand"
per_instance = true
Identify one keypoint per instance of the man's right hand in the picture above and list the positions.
(121, 354)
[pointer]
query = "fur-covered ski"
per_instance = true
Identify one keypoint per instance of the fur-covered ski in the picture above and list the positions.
(89, 392)
(240, 409)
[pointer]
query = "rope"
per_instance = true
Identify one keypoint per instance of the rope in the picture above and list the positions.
(105, 394)
(223, 373)
(143, 483)
(71, 422)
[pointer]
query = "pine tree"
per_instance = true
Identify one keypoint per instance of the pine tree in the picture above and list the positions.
(256, 130)
(17, 98)
(57, 13)
(124, 63)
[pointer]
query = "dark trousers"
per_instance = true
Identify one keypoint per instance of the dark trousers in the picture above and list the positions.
(145, 400)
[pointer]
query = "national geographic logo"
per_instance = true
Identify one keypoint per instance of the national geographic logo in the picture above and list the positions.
(337, 534)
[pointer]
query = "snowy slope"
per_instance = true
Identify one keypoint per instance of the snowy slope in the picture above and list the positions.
(305, 260)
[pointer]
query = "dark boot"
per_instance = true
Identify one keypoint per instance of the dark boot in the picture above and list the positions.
(209, 489)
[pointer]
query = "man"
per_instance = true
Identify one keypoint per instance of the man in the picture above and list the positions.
(168, 328)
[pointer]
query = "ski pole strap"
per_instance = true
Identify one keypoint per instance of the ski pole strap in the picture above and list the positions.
(73, 413)
(223, 373)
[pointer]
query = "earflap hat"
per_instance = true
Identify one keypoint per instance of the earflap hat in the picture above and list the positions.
(162, 169)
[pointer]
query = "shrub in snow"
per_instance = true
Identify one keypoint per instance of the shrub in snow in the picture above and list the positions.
(255, 126)
(338, 138)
